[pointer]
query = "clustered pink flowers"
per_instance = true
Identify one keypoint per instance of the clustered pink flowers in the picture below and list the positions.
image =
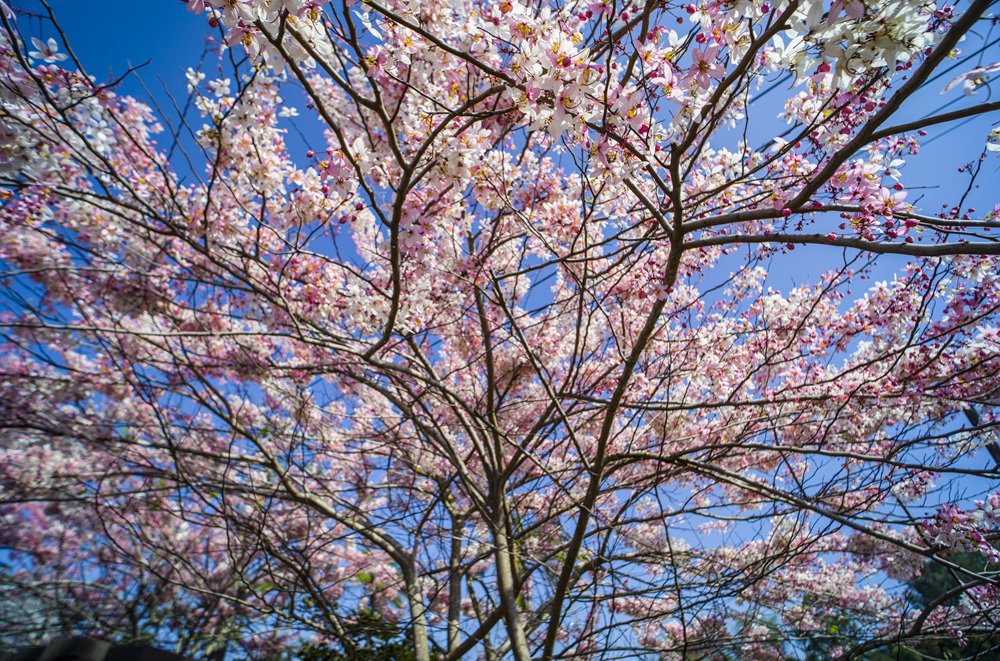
(488, 335)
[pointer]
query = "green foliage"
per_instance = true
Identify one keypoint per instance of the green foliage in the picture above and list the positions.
(935, 579)
(841, 628)
(367, 637)
(933, 582)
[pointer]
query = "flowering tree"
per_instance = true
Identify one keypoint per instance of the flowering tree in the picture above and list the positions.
(497, 359)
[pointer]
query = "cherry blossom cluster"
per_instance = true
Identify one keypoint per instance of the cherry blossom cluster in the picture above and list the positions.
(491, 333)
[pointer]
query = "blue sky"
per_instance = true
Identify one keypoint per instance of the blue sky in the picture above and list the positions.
(109, 34)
